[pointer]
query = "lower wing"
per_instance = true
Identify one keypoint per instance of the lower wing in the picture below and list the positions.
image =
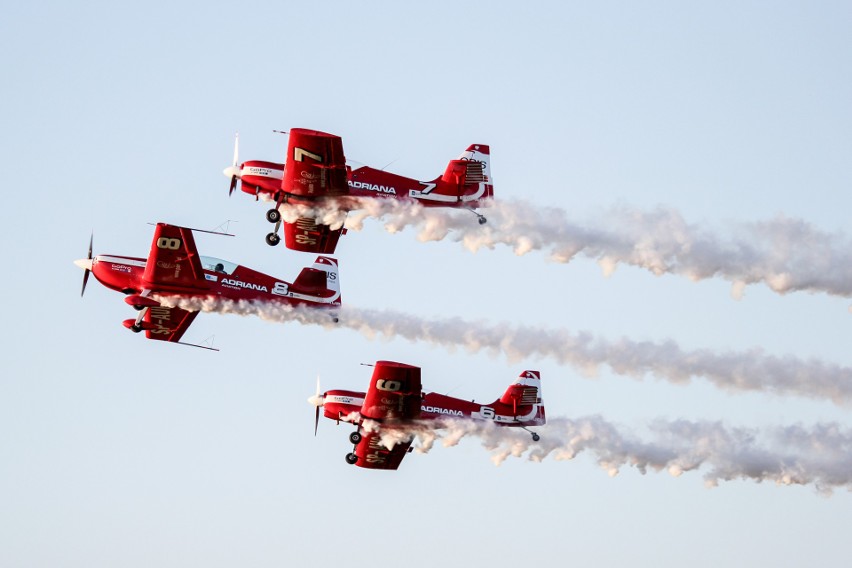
(167, 324)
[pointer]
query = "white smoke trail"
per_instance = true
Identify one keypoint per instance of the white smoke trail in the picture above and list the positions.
(784, 253)
(820, 455)
(733, 371)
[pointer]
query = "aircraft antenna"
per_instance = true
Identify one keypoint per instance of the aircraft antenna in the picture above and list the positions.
(224, 227)
(388, 164)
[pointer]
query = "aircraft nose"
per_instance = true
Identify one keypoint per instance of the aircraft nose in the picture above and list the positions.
(232, 171)
(84, 263)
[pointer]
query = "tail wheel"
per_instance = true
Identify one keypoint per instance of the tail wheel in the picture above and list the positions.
(272, 239)
(535, 437)
(355, 438)
(351, 459)
(482, 220)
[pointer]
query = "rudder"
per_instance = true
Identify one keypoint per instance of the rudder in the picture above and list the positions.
(524, 397)
(321, 280)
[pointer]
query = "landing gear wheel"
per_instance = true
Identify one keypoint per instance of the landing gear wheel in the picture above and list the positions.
(355, 438)
(272, 239)
(273, 215)
(482, 220)
(138, 308)
(135, 328)
(351, 459)
(536, 437)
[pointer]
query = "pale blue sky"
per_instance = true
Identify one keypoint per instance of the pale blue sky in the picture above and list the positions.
(117, 451)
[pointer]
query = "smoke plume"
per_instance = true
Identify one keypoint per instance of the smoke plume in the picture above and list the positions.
(733, 371)
(783, 253)
(820, 455)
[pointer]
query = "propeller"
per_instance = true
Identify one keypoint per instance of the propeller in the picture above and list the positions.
(318, 401)
(86, 264)
(234, 170)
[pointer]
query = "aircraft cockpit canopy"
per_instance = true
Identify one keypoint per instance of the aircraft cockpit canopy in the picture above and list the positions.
(217, 265)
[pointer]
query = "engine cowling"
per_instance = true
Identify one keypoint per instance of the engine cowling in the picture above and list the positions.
(258, 175)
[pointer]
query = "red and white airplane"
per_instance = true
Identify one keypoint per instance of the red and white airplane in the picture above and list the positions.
(175, 269)
(316, 174)
(395, 400)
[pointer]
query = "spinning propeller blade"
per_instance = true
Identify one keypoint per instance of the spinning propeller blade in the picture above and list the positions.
(317, 400)
(234, 164)
(236, 149)
(86, 264)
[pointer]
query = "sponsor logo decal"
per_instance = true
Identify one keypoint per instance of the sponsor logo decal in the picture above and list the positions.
(121, 268)
(262, 172)
(245, 285)
(211, 277)
(436, 410)
(372, 187)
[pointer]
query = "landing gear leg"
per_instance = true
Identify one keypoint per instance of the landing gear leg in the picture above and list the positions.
(479, 217)
(137, 327)
(535, 436)
(274, 216)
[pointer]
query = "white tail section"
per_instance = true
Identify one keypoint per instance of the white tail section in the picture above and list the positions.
(524, 395)
(332, 276)
(477, 180)
(318, 283)
(531, 381)
(479, 153)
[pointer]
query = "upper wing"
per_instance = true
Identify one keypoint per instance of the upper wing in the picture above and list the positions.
(393, 398)
(307, 236)
(316, 166)
(173, 261)
(394, 393)
(167, 324)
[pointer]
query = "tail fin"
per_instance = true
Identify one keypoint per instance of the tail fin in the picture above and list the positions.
(320, 282)
(466, 181)
(524, 397)
(477, 175)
